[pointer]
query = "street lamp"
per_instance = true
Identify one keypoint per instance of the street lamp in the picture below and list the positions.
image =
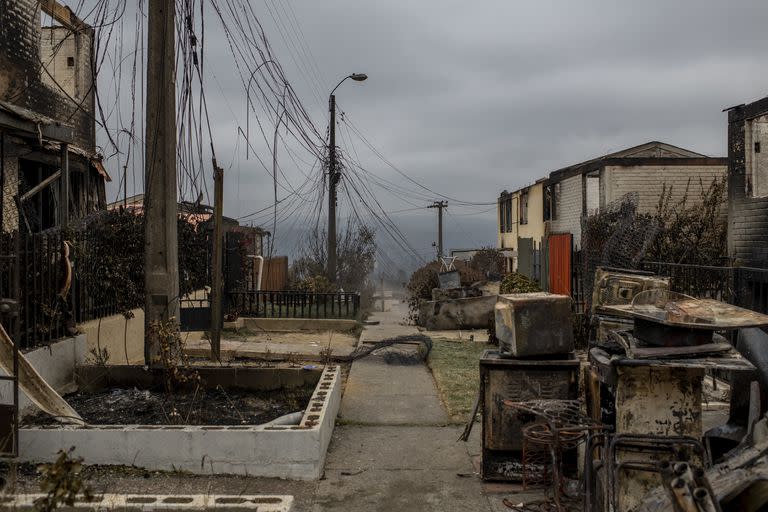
(333, 177)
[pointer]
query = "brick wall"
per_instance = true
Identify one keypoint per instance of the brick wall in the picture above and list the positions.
(569, 209)
(10, 215)
(21, 80)
(649, 181)
(747, 215)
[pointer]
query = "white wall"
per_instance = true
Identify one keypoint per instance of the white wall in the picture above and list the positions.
(122, 337)
(649, 181)
(55, 364)
(568, 209)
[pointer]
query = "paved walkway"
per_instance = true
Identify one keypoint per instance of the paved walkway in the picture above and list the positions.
(381, 394)
(392, 449)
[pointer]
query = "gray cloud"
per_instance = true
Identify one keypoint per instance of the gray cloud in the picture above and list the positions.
(470, 99)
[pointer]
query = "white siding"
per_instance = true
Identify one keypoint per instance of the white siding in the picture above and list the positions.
(568, 209)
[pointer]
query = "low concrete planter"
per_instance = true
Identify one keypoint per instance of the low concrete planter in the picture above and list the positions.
(292, 452)
(164, 502)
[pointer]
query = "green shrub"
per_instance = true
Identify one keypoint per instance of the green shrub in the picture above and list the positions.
(518, 283)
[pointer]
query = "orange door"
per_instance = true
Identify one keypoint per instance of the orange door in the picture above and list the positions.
(560, 249)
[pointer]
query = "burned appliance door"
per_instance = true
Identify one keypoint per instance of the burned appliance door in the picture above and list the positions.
(519, 380)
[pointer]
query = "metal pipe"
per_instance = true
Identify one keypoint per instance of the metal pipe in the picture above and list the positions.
(261, 268)
(261, 271)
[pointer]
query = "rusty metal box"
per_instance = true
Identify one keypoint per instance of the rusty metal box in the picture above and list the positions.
(534, 324)
(517, 379)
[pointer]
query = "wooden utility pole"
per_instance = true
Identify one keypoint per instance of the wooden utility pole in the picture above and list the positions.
(439, 205)
(333, 180)
(216, 288)
(161, 260)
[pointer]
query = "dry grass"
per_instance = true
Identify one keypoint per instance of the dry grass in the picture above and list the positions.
(455, 366)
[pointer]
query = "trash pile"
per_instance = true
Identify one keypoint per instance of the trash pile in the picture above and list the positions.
(621, 428)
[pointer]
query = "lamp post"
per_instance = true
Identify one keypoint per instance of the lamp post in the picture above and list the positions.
(333, 178)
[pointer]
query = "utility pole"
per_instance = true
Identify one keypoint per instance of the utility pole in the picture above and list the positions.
(333, 177)
(333, 180)
(439, 205)
(161, 260)
(216, 288)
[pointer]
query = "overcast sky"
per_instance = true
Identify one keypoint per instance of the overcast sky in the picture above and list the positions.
(473, 98)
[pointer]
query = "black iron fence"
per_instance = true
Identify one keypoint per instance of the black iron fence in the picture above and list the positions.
(742, 286)
(56, 292)
(294, 304)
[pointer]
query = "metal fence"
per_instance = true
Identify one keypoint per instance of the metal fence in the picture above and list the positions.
(54, 294)
(742, 286)
(294, 304)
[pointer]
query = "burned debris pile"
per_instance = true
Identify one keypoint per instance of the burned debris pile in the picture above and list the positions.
(606, 429)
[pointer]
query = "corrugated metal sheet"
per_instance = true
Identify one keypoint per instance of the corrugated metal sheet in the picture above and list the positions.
(560, 251)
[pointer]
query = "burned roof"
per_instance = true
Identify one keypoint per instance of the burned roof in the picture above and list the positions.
(650, 153)
(30, 123)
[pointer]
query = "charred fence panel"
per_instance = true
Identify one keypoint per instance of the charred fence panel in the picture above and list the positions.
(294, 304)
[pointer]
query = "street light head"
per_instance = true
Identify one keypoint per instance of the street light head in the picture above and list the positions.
(358, 77)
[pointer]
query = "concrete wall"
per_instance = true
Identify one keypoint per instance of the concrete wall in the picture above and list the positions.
(122, 337)
(756, 162)
(66, 56)
(649, 182)
(469, 313)
(569, 208)
(55, 364)
(747, 210)
(276, 451)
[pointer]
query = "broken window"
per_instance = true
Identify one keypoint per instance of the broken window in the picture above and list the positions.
(524, 207)
(756, 162)
(593, 194)
(39, 210)
(508, 213)
(551, 198)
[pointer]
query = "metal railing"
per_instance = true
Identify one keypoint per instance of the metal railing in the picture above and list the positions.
(741, 286)
(55, 296)
(294, 304)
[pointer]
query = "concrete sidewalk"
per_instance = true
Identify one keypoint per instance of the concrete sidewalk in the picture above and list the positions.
(381, 394)
(392, 448)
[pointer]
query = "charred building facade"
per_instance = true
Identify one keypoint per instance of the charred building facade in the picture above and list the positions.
(49, 167)
(748, 184)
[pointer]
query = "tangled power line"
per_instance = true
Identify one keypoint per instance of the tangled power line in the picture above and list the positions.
(283, 126)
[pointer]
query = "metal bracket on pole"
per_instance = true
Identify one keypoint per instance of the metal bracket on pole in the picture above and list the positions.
(447, 264)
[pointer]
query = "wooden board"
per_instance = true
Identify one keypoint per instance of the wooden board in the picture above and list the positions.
(34, 386)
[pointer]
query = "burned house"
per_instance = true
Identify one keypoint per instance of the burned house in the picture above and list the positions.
(748, 184)
(49, 167)
(582, 189)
